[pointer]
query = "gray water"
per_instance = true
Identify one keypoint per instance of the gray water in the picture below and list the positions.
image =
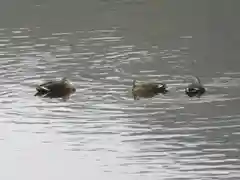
(101, 132)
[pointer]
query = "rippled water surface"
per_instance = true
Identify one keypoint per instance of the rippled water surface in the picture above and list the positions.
(101, 132)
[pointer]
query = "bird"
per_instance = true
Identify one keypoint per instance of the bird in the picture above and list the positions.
(56, 89)
(195, 89)
(147, 89)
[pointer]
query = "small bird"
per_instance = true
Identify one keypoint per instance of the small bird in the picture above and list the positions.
(147, 90)
(195, 89)
(56, 89)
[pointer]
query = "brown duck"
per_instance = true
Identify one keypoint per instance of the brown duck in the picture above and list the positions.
(56, 89)
(147, 90)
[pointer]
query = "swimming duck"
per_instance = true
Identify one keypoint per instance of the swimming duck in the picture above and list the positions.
(195, 89)
(56, 89)
(147, 90)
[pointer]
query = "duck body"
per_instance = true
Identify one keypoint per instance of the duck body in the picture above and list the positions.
(195, 89)
(147, 90)
(55, 89)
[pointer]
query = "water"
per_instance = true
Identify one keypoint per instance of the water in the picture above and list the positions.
(101, 132)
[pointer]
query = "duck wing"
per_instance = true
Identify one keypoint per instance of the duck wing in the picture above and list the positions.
(193, 88)
(42, 89)
(46, 83)
(51, 86)
(154, 85)
(56, 86)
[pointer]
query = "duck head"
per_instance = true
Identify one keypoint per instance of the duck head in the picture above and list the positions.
(69, 85)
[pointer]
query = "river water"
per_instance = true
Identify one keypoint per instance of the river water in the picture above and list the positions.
(101, 132)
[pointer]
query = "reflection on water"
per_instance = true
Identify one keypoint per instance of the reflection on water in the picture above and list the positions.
(101, 128)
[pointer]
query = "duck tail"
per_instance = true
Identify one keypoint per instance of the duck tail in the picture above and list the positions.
(37, 94)
(134, 83)
(163, 88)
(163, 85)
(41, 91)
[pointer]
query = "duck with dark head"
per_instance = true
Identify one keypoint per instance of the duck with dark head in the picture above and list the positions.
(56, 89)
(195, 89)
(148, 90)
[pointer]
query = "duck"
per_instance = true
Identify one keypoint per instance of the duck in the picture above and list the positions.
(147, 89)
(56, 89)
(195, 89)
